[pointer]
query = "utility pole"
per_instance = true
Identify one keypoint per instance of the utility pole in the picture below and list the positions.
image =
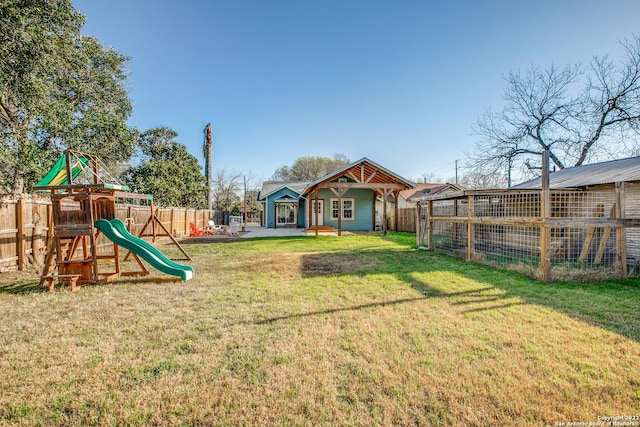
(456, 171)
(244, 204)
(208, 155)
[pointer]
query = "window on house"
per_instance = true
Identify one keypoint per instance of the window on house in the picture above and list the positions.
(335, 210)
(286, 213)
(348, 209)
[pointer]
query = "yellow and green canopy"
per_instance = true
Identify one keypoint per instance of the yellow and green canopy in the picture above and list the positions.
(58, 174)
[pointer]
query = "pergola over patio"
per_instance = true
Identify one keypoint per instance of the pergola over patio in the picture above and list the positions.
(363, 173)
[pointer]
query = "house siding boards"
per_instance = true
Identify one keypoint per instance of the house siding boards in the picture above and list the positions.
(356, 183)
(275, 190)
(281, 195)
(363, 208)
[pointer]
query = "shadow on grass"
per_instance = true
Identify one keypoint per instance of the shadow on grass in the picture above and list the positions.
(612, 305)
(468, 287)
(22, 287)
(144, 279)
(338, 310)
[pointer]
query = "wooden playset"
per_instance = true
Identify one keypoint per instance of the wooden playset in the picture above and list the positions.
(87, 237)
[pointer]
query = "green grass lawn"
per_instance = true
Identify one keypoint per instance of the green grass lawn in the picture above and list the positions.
(351, 330)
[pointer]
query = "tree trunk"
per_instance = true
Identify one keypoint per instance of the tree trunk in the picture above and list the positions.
(208, 152)
(18, 181)
(37, 247)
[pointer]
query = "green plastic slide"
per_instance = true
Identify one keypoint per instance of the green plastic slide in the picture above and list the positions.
(122, 228)
(116, 231)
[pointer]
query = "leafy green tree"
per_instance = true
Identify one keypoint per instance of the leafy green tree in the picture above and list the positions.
(58, 89)
(310, 168)
(167, 171)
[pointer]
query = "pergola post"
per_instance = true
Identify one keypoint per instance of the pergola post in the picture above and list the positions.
(396, 193)
(363, 174)
(315, 210)
(384, 212)
(339, 213)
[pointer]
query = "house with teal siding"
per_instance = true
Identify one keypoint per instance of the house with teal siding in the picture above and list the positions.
(342, 200)
(282, 202)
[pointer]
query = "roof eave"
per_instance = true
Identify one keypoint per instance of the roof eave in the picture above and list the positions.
(343, 169)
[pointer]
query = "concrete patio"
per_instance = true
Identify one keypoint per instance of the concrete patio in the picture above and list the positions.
(257, 231)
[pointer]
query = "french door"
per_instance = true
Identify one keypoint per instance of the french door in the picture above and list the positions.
(319, 206)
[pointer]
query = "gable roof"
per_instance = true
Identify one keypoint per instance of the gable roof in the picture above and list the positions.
(422, 190)
(418, 191)
(271, 187)
(448, 186)
(361, 170)
(595, 173)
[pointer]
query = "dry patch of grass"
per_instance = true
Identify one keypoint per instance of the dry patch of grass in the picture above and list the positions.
(297, 264)
(358, 330)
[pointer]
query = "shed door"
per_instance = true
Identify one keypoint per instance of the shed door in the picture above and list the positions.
(320, 207)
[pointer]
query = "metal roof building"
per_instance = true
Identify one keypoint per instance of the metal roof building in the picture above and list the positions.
(622, 170)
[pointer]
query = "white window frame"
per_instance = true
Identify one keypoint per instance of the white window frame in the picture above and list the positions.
(292, 206)
(353, 209)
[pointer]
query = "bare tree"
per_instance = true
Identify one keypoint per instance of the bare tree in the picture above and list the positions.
(481, 179)
(579, 114)
(427, 177)
(252, 185)
(227, 189)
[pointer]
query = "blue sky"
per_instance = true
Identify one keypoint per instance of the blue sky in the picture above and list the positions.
(400, 82)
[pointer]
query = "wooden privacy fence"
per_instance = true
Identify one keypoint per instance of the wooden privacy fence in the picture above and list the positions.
(551, 235)
(25, 226)
(406, 220)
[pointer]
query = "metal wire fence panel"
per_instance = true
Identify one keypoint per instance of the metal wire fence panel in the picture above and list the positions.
(450, 238)
(583, 204)
(506, 244)
(580, 252)
(444, 208)
(589, 234)
(524, 205)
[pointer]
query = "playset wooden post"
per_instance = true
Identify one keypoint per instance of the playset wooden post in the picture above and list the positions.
(73, 242)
